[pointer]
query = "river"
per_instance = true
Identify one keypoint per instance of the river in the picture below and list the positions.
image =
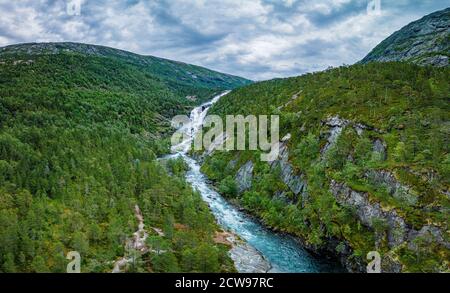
(281, 252)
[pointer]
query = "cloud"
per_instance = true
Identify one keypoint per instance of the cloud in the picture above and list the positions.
(258, 39)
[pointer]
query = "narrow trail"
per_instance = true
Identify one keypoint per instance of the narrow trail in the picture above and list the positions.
(136, 244)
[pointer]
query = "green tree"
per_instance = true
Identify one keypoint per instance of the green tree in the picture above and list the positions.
(38, 265)
(228, 187)
(9, 265)
(400, 152)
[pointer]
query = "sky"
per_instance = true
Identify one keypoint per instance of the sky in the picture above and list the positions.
(256, 39)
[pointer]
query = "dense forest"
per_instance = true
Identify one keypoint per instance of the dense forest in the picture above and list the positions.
(365, 164)
(79, 136)
(369, 148)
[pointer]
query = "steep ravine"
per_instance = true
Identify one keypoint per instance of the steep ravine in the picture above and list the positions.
(259, 249)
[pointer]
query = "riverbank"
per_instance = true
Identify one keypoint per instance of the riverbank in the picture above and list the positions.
(328, 252)
(284, 254)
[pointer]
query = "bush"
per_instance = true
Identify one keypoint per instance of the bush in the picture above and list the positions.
(228, 187)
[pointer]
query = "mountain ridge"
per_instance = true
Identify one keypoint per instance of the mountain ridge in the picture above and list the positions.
(425, 42)
(173, 70)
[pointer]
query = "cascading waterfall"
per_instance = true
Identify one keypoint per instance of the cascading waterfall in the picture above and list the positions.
(264, 249)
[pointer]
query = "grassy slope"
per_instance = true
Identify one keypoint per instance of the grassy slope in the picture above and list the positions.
(79, 135)
(409, 105)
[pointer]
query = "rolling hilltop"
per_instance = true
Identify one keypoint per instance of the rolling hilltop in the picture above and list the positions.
(100, 84)
(177, 75)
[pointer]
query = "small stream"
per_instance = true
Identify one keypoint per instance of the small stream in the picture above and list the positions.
(282, 253)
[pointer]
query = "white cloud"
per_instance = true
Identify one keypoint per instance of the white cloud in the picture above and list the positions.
(258, 39)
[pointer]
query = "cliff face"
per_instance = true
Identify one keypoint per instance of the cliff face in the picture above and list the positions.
(424, 42)
(391, 229)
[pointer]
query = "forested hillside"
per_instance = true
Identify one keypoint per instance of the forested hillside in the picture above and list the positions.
(179, 77)
(80, 129)
(364, 163)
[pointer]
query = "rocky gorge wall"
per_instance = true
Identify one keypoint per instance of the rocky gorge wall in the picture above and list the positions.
(391, 230)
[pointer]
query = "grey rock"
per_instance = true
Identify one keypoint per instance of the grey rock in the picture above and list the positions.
(246, 258)
(360, 128)
(398, 231)
(382, 177)
(367, 212)
(428, 233)
(244, 177)
(232, 164)
(397, 228)
(379, 147)
(393, 186)
(295, 182)
(336, 126)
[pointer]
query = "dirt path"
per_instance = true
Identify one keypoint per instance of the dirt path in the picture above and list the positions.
(136, 243)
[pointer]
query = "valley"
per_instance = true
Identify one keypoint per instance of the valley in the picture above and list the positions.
(87, 165)
(263, 250)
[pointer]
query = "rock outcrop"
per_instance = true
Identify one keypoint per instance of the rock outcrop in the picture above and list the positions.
(370, 213)
(390, 226)
(398, 231)
(336, 126)
(244, 177)
(380, 148)
(246, 258)
(288, 175)
(387, 180)
(294, 181)
(430, 234)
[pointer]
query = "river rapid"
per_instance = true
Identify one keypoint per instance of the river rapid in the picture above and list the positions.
(259, 248)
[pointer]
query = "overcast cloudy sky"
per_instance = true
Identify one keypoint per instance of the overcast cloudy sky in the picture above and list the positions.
(257, 39)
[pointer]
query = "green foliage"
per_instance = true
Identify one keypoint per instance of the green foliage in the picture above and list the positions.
(38, 265)
(79, 136)
(228, 187)
(426, 257)
(363, 149)
(307, 150)
(177, 167)
(400, 153)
